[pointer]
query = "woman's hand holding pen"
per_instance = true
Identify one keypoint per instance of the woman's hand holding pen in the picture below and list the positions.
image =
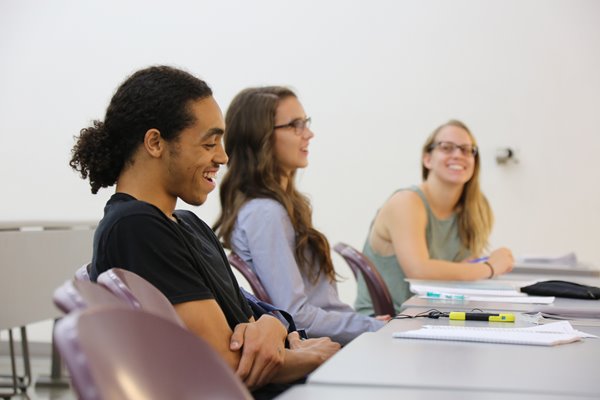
(501, 261)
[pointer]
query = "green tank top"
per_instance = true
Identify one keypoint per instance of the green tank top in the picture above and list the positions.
(443, 243)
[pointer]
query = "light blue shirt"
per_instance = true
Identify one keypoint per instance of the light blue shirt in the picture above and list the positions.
(264, 237)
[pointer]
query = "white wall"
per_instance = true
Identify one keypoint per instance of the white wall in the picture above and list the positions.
(376, 76)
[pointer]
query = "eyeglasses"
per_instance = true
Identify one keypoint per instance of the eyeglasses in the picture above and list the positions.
(299, 125)
(449, 147)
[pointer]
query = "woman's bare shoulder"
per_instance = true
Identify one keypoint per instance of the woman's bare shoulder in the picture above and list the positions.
(404, 199)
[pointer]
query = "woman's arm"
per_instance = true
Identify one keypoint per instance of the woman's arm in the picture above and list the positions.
(403, 220)
(266, 236)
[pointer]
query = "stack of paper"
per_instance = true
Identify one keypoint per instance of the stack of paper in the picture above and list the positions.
(567, 313)
(544, 335)
(462, 291)
(568, 260)
(567, 264)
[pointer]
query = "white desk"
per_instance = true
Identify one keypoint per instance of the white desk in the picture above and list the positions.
(36, 258)
(377, 359)
(553, 271)
(466, 305)
(356, 392)
(522, 277)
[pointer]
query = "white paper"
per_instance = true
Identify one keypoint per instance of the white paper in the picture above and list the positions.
(520, 299)
(543, 335)
(486, 284)
(424, 289)
(497, 299)
(558, 327)
(567, 260)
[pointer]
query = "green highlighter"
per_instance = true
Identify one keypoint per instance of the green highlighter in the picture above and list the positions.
(477, 316)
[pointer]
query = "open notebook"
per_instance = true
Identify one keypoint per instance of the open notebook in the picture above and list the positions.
(545, 335)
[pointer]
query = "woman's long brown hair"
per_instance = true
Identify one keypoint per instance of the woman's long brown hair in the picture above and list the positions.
(252, 172)
(475, 217)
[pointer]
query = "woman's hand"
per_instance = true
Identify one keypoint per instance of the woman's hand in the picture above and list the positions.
(501, 260)
(320, 349)
(384, 318)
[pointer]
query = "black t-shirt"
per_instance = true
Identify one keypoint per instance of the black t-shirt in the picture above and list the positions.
(183, 259)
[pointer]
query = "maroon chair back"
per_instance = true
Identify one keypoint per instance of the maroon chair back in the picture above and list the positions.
(138, 293)
(129, 354)
(83, 273)
(378, 290)
(77, 295)
(255, 283)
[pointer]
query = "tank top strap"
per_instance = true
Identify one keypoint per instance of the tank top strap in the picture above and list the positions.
(418, 191)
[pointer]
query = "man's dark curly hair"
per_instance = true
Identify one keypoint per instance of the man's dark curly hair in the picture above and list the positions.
(156, 97)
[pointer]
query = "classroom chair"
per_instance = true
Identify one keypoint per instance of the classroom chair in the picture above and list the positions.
(361, 265)
(83, 273)
(138, 293)
(78, 295)
(255, 283)
(67, 298)
(127, 354)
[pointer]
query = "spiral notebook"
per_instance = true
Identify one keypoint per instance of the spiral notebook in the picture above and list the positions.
(546, 335)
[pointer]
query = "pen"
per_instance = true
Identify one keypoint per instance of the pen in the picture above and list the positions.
(478, 316)
(435, 295)
(480, 259)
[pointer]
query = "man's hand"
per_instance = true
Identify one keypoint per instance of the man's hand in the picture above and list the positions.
(263, 350)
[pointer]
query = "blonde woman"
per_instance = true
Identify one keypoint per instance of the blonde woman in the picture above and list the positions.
(439, 229)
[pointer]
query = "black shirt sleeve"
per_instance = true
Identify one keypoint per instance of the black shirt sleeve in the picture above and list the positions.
(183, 259)
(144, 244)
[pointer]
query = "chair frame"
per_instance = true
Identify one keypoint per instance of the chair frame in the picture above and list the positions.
(378, 290)
(80, 295)
(18, 383)
(257, 287)
(83, 272)
(56, 379)
(137, 292)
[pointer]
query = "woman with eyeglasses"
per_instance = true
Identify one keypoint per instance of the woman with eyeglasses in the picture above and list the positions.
(439, 229)
(268, 223)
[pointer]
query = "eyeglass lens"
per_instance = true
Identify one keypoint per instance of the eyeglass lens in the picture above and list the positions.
(450, 147)
(301, 124)
(298, 124)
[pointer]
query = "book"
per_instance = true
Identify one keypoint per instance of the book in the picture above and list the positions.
(545, 335)
(505, 292)
(499, 299)
(423, 289)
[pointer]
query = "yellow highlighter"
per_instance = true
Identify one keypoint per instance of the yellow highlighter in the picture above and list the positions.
(479, 316)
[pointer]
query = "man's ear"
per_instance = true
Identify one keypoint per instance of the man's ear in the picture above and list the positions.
(154, 143)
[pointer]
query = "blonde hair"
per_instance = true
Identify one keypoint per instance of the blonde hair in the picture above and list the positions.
(475, 217)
